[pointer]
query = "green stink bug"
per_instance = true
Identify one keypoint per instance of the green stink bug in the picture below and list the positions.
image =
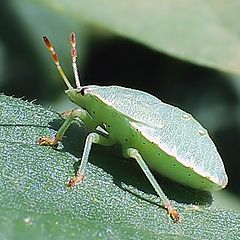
(155, 134)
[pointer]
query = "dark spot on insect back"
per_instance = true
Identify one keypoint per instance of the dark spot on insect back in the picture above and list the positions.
(94, 112)
(174, 165)
(189, 175)
(186, 116)
(144, 143)
(202, 132)
(126, 140)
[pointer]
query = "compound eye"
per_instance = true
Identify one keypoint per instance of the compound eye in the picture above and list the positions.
(82, 91)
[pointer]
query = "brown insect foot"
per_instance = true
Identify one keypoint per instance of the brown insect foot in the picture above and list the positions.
(174, 214)
(46, 141)
(76, 180)
(66, 113)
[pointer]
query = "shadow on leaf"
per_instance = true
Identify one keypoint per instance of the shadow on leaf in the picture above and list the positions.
(110, 160)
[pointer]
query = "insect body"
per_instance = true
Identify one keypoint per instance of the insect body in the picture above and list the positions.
(155, 134)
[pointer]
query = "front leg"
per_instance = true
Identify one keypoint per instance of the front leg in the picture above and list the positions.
(75, 113)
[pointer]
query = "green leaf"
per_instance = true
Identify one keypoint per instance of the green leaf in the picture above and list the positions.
(112, 203)
(201, 31)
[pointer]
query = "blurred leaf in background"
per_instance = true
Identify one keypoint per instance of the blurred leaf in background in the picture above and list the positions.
(186, 53)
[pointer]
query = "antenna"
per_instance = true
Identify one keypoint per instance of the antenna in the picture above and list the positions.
(74, 59)
(56, 61)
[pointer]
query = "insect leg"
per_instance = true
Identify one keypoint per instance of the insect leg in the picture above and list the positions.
(133, 153)
(91, 138)
(75, 113)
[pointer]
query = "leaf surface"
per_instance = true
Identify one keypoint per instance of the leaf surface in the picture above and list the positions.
(112, 203)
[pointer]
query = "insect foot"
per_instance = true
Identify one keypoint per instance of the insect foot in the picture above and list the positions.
(66, 114)
(76, 180)
(174, 214)
(47, 141)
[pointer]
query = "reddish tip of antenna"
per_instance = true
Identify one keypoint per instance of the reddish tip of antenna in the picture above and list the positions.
(51, 49)
(47, 43)
(73, 46)
(73, 39)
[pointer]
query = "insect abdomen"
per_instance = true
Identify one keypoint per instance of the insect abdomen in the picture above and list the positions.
(181, 142)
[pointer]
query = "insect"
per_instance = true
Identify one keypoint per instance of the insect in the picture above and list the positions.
(157, 135)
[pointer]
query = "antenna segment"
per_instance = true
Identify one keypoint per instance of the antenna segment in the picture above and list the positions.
(74, 59)
(50, 47)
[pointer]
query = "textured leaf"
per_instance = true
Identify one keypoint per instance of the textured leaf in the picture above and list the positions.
(113, 203)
